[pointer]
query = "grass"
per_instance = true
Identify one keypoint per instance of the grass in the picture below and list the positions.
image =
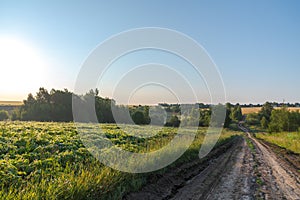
(49, 161)
(287, 140)
(250, 145)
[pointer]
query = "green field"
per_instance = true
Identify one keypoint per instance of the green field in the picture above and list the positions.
(287, 140)
(48, 161)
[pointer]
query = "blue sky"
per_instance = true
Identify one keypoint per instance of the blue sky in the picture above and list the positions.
(255, 44)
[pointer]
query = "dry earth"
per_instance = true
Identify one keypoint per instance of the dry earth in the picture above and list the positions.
(243, 168)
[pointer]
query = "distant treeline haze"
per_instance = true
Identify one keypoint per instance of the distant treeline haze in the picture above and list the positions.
(56, 105)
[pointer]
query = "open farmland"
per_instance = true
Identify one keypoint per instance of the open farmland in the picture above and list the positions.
(48, 161)
(247, 110)
(11, 103)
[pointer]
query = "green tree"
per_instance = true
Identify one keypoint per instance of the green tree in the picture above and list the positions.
(228, 119)
(266, 111)
(3, 115)
(236, 113)
(253, 119)
(174, 121)
(279, 120)
(138, 117)
(264, 123)
(205, 115)
(15, 115)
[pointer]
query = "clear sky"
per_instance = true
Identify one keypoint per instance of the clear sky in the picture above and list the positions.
(255, 44)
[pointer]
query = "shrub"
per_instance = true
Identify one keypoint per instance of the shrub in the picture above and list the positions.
(253, 119)
(3, 115)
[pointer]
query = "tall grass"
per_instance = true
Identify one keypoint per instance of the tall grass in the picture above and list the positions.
(288, 140)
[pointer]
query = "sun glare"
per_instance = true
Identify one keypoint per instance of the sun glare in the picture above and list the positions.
(21, 69)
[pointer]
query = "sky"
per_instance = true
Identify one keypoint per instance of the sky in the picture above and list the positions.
(254, 44)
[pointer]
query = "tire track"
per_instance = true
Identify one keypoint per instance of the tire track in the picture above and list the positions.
(242, 168)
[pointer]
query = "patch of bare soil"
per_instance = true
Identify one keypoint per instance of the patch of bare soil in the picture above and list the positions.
(196, 180)
(235, 170)
(284, 154)
(277, 177)
(229, 177)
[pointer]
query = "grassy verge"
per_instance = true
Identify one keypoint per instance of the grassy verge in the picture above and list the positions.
(287, 140)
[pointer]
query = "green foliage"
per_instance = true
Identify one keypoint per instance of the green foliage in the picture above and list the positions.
(266, 111)
(3, 115)
(264, 123)
(287, 140)
(284, 120)
(56, 105)
(45, 106)
(253, 119)
(173, 121)
(228, 119)
(139, 118)
(15, 115)
(43, 160)
(204, 117)
(236, 113)
(262, 118)
(250, 145)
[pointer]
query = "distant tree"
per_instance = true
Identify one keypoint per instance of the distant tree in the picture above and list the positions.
(61, 105)
(266, 111)
(279, 120)
(228, 119)
(284, 120)
(3, 115)
(173, 121)
(264, 123)
(205, 115)
(253, 119)
(96, 92)
(294, 120)
(138, 117)
(43, 96)
(146, 115)
(236, 113)
(15, 115)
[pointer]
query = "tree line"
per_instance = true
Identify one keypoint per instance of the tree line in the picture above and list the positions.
(56, 105)
(275, 120)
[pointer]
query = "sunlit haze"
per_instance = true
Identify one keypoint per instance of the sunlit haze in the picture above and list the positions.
(254, 44)
(21, 68)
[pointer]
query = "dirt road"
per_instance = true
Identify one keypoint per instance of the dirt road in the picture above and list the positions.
(243, 168)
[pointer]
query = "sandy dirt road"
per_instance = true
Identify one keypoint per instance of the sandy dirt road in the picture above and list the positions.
(243, 168)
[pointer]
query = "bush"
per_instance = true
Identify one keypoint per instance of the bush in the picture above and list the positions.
(264, 123)
(173, 122)
(253, 119)
(15, 115)
(284, 120)
(3, 115)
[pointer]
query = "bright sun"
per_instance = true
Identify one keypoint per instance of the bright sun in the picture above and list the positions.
(21, 69)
